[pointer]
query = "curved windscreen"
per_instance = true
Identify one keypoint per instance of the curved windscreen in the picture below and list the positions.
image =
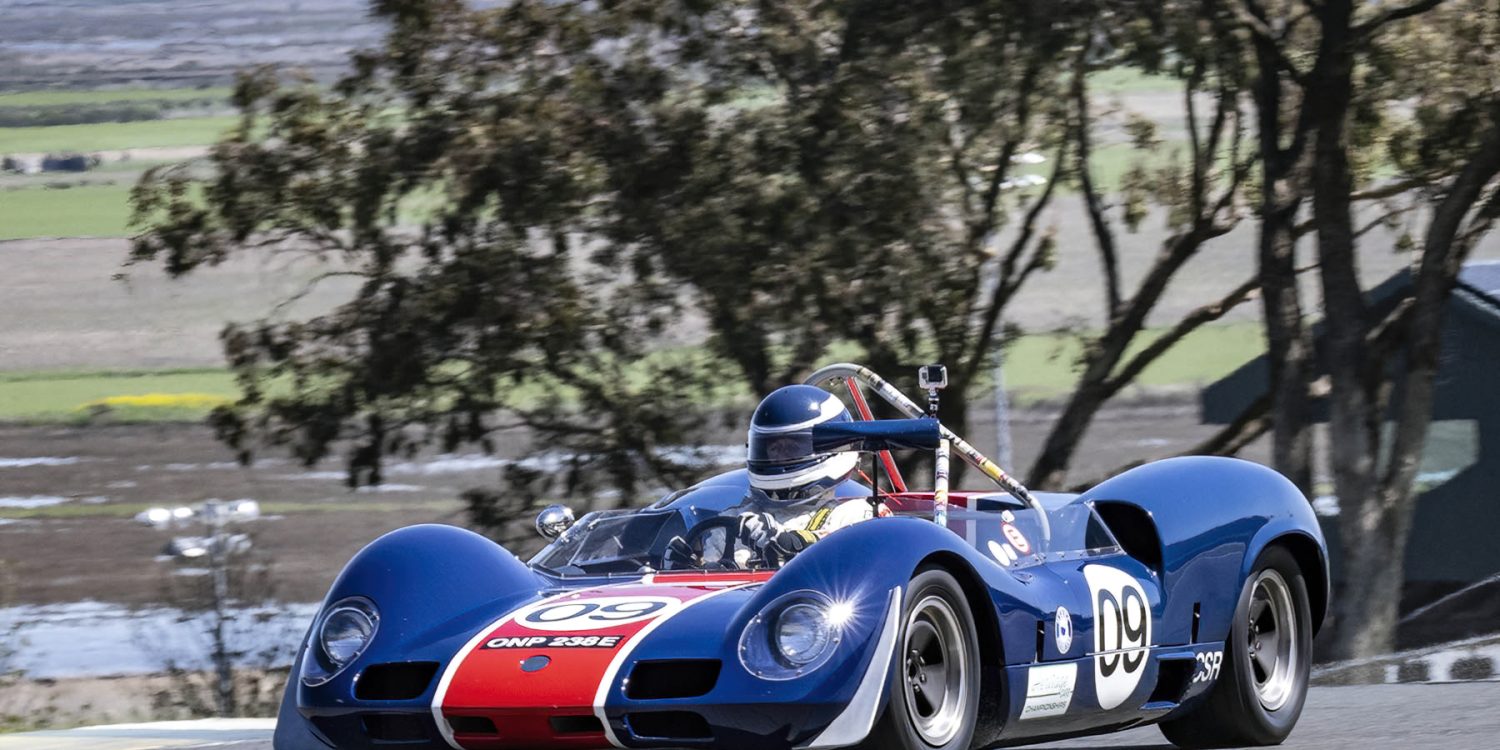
(612, 541)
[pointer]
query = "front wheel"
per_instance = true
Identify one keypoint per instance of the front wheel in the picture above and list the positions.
(1267, 659)
(933, 695)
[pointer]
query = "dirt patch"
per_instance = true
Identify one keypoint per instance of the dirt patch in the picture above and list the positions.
(62, 308)
(90, 548)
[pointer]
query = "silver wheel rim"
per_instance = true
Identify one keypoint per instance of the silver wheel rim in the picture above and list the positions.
(935, 661)
(1272, 640)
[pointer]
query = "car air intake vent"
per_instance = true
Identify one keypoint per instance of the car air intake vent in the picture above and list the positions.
(398, 681)
(673, 678)
(395, 727)
(472, 725)
(1172, 677)
(669, 725)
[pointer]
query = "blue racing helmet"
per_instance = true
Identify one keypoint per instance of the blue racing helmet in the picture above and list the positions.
(782, 461)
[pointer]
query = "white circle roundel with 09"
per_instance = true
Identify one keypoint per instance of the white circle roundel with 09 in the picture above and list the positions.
(572, 615)
(1122, 633)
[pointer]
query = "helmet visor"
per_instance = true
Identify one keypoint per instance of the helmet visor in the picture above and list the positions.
(780, 449)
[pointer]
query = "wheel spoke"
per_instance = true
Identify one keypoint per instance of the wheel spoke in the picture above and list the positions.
(920, 639)
(934, 683)
(925, 705)
(933, 653)
(1265, 665)
(1269, 635)
(1258, 608)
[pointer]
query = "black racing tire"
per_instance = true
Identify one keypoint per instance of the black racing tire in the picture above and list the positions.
(938, 640)
(1252, 704)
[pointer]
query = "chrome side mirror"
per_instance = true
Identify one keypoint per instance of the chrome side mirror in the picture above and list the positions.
(553, 521)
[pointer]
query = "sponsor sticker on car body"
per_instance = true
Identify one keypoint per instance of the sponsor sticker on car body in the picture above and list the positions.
(1049, 690)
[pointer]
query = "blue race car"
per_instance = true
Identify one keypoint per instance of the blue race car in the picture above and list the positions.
(1184, 593)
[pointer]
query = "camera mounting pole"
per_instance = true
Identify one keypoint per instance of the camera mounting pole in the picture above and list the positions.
(932, 378)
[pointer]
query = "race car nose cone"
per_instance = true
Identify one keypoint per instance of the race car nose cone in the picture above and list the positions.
(535, 663)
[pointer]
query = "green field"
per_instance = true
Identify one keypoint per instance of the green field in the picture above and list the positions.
(82, 211)
(66, 396)
(110, 136)
(99, 96)
(1042, 366)
(1037, 367)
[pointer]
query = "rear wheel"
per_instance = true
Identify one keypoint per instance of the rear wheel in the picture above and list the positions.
(933, 695)
(1267, 658)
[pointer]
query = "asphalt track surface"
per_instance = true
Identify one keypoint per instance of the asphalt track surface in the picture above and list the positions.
(1461, 716)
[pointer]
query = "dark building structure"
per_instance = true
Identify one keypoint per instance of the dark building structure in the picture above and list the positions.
(1454, 540)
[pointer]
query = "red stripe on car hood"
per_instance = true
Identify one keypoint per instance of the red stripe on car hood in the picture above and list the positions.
(556, 658)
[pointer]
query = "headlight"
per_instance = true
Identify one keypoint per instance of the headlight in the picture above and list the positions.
(344, 631)
(803, 633)
(794, 635)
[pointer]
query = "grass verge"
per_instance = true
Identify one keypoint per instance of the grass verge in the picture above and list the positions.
(1042, 366)
(111, 136)
(101, 96)
(73, 397)
(77, 211)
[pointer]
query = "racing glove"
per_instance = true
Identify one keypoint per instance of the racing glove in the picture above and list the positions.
(792, 541)
(758, 529)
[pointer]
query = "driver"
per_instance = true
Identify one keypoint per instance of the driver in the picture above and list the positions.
(795, 497)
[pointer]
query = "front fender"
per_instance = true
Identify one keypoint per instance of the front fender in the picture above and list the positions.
(433, 586)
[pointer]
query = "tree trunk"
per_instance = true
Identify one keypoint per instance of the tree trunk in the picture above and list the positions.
(1287, 343)
(1289, 351)
(1353, 424)
(1375, 531)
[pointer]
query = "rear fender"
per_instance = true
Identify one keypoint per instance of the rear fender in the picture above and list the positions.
(1311, 554)
(1213, 516)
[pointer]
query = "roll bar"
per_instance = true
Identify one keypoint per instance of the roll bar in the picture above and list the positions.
(846, 371)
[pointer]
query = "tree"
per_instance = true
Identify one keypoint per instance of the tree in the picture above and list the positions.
(1351, 70)
(861, 196)
(530, 194)
(477, 297)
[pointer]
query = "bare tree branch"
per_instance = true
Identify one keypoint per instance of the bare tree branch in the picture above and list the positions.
(1252, 15)
(1001, 167)
(1191, 322)
(1006, 278)
(1104, 237)
(1390, 15)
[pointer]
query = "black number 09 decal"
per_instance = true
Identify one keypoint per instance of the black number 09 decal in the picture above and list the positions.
(1126, 621)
